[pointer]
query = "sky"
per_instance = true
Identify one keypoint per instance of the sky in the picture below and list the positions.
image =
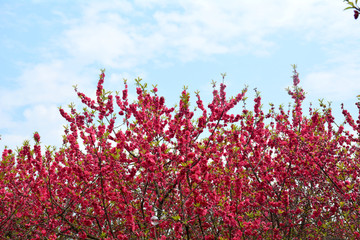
(49, 46)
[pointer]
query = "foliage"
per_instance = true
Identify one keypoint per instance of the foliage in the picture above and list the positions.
(174, 173)
(354, 6)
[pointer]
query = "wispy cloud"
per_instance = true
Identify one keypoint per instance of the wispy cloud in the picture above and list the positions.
(337, 84)
(115, 34)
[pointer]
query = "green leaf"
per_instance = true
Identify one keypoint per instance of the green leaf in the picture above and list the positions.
(103, 235)
(176, 218)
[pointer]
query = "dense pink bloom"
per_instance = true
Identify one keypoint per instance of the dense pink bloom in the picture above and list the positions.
(154, 172)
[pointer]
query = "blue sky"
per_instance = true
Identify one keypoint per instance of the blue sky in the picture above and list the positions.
(49, 46)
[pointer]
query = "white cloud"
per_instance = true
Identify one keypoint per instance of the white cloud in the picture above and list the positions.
(32, 104)
(43, 118)
(338, 77)
(99, 43)
(339, 83)
(109, 33)
(42, 83)
(123, 34)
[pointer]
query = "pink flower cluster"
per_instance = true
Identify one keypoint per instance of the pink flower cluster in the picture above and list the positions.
(147, 171)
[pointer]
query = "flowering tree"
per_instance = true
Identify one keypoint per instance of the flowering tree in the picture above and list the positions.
(217, 173)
